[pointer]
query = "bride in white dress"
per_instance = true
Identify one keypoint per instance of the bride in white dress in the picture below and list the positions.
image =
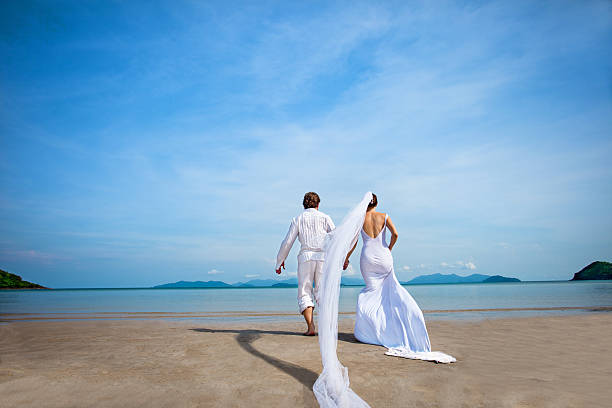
(386, 314)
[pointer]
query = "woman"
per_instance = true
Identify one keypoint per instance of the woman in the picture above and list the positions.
(382, 301)
(386, 313)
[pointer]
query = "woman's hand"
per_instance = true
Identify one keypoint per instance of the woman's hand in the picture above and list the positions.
(346, 260)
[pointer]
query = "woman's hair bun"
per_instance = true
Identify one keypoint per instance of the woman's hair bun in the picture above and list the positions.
(373, 201)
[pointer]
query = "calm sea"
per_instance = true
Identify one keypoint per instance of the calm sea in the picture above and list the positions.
(456, 301)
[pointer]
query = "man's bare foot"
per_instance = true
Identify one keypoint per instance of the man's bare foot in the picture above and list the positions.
(310, 331)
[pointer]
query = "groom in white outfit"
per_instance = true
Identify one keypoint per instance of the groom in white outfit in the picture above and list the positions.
(310, 227)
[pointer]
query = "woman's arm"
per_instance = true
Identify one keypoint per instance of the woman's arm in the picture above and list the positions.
(394, 233)
(346, 261)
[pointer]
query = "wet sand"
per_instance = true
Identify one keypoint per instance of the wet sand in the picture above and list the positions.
(12, 317)
(560, 361)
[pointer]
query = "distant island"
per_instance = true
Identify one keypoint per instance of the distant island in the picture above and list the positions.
(437, 278)
(454, 278)
(597, 270)
(499, 278)
(254, 283)
(12, 281)
(443, 278)
(196, 284)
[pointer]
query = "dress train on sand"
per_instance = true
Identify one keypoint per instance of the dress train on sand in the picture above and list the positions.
(386, 313)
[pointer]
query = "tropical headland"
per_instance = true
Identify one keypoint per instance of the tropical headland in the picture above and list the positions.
(11, 281)
(597, 270)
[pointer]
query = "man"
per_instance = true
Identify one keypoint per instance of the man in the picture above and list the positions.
(310, 228)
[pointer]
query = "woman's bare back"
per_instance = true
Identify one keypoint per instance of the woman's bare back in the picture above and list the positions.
(374, 223)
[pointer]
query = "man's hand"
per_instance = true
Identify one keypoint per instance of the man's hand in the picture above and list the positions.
(282, 266)
(346, 264)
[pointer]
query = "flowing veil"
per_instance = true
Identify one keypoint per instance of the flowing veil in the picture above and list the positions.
(332, 387)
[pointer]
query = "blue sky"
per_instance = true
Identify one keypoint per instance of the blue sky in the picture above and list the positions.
(149, 142)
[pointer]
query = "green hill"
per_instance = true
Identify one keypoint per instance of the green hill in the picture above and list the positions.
(598, 270)
(12, 281)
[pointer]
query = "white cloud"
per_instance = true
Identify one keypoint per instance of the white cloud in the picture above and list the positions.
(290, 55)
(31, 255)
(214, 272)
(251, 276)
(459, 265)
(293, 274)
(416, 267)
(464, 265)
(446, 265)
(269, 261)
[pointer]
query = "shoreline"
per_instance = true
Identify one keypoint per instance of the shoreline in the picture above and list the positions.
(18, 317)
(553, 361)
(295, 286)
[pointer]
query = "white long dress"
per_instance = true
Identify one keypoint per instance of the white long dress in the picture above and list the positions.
(386, 313)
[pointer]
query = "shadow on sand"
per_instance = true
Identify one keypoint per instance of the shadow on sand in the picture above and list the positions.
(246, 337)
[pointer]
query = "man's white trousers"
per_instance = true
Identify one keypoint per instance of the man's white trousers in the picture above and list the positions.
(309, 273)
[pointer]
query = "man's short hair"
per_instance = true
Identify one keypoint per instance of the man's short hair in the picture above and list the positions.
(311, 200)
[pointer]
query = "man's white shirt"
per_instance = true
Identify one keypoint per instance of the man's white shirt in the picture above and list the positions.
(310, 227)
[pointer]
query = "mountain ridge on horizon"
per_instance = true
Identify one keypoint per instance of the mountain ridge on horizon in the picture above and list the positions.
(436, 278)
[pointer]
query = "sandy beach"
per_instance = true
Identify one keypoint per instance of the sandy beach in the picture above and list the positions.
(561, 361)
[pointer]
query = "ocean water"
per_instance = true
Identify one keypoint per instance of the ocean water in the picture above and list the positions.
(453, 301)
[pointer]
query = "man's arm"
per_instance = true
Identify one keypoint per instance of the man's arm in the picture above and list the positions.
(285, 247)
(330, 224)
